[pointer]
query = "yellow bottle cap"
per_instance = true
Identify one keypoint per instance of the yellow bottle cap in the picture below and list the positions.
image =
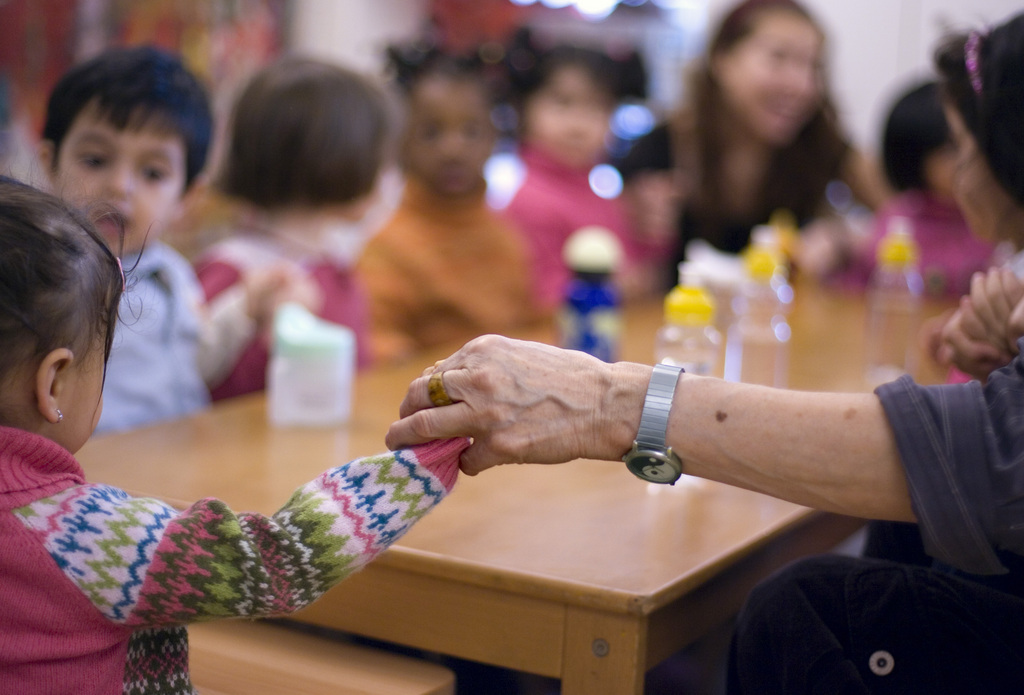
(897, 247)
(689, 305)
(783, 221)
(762, 262)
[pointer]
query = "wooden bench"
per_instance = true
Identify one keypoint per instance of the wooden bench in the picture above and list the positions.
(242, 657)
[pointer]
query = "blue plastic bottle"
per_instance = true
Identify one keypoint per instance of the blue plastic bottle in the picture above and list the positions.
(589, 319)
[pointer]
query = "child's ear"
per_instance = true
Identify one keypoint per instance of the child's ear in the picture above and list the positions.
(49, 384)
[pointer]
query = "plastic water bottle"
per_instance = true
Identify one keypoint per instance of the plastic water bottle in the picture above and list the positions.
(894, 306)
(309, 379)
(688, 338)
(589, 319)
(757, 345)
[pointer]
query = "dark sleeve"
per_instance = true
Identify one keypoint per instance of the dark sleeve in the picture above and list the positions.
(650, 152)
(962, 449)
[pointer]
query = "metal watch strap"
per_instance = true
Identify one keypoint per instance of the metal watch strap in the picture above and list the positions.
(657, 404)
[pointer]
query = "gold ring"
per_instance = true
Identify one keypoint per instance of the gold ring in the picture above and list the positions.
(435, 389)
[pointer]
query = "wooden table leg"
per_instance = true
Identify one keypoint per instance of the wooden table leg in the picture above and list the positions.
(604, 654)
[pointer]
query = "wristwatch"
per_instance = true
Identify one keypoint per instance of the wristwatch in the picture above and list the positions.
(650, 459)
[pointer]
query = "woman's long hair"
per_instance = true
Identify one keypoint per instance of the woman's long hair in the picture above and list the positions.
(798, 173)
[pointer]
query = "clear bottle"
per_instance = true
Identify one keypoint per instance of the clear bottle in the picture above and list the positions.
(688, 338)
(310, 375)
(590, 319)
(894, 306)
(757, 345)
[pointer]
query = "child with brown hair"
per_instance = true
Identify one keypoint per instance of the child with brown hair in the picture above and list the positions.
(98, 585)
(126, 133)
(445, 267)
(306, 145)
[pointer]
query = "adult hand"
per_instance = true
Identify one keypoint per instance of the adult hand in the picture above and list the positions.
(526, 402)
(825, 246)
(930, 335)
(977, 358)
(654, 199)
(994, 297)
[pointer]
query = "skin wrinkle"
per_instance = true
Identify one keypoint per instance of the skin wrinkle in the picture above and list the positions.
(619, 398)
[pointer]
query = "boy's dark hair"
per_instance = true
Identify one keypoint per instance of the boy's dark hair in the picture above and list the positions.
(131, 87)
(994, 115)
(915, 127)
(531, 64)
(59, 282)
(305, 133)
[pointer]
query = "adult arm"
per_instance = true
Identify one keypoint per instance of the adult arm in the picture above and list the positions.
(528, 402)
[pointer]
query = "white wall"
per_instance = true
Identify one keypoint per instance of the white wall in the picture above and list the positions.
(876, 46)
(354, 32)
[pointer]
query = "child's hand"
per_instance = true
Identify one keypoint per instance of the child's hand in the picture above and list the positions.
(825, 246)
(268, 288)
(654, 199)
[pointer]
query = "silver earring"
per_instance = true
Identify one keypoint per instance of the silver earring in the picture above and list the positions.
(60, 415)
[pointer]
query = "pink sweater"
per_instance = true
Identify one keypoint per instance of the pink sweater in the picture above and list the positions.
(553, 202)
(96, 586)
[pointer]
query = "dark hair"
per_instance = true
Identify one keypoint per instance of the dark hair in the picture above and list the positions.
(915, 127)
(59, 282)
(799, 171)
(132, 87)
(305, 133)
(995, 114)
(410, 63)
(530, 65)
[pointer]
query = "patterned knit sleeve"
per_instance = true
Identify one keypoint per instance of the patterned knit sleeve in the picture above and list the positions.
(144, 564)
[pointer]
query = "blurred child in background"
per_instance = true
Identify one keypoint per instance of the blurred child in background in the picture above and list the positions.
(566, 96)
(920, 163)
(445, 267)
(126, 134)
(304, 153)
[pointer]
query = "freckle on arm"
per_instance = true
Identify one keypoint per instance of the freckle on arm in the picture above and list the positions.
(721, 416)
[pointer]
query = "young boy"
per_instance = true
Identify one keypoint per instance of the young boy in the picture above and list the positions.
(126, 135)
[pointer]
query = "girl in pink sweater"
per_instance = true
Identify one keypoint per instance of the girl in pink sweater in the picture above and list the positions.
(98, 586)
(566, 96)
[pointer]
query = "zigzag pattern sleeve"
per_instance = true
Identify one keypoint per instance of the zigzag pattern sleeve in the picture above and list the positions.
(145, 564)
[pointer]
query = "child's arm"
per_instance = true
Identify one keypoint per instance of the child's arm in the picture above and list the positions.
(234, 317)
(144, 564)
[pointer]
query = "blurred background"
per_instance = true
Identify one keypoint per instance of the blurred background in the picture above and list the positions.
(875, 45)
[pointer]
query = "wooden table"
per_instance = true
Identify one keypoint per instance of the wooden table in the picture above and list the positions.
(579, 571)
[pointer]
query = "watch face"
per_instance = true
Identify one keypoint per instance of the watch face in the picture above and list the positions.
(654, 466)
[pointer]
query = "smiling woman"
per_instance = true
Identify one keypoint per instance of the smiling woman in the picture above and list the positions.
(759, 133)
